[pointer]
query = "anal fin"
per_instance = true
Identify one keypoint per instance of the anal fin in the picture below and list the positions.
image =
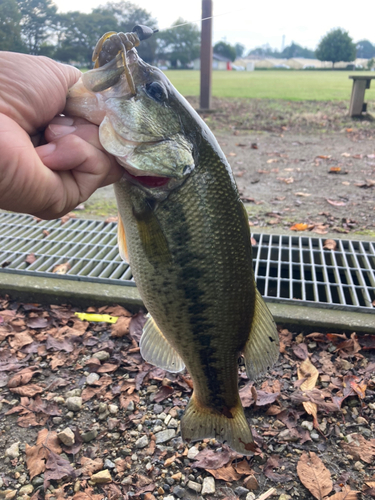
(121, 239)
(200, 422)
(262, 348)
(156, 349)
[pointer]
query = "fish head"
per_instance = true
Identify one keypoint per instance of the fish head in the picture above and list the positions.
(152, 131)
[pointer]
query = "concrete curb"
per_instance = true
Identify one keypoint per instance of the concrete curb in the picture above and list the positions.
(84, 294)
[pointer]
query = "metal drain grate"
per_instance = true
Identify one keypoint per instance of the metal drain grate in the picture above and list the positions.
(294, 269)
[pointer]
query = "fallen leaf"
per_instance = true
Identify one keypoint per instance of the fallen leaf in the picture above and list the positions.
(300, 193)
(111, 219)
(88, 494)
(89, 466)
(324, 157)
(66, 217)
(209, 459)
(307, 371)
(20, 339)
(37, 323)
(62, 268)
(164, 393)
(57, 468)
(336, 203)
(287, 180)
(314, 475)
(334, 170)
(330, 245)
(23, 377)
(274, 463)
(36, 456)
(345, 494)
(299, 227)
(360, 448)
(27, 390)
(226, 473)
(30, 259)
(121, 327)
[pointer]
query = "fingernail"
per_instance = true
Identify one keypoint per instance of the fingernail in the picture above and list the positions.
(46, 149)
(62, 120)
(61, 130)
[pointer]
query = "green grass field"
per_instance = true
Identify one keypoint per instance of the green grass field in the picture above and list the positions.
(288, 85)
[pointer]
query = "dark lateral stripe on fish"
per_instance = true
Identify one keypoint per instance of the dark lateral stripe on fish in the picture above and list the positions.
(201, 325)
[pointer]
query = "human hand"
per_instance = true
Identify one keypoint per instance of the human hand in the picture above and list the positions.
(52, 179)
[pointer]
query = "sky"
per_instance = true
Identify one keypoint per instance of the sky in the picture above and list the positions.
(254, 24)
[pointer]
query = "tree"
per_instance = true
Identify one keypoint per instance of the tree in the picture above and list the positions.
(79, 33)
(226, 50)
(264, 51)
(179, 45)
(240, 49)
(127, 16)
(295, 50)
(365, 49)
(37, 21)
(336, 46)
(10, 30)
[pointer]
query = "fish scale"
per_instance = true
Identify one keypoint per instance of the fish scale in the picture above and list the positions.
(212, 221)
(185, 233)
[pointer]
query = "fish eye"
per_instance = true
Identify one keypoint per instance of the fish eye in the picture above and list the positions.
(157, 91)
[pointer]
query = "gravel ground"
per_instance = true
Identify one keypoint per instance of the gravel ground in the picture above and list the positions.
(83, 417)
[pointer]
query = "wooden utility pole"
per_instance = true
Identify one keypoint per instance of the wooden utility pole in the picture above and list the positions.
(206, 55)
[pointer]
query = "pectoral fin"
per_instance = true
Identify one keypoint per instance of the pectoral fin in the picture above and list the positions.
(155, 349)
(262, 348)
(153, 240)
(121, 238)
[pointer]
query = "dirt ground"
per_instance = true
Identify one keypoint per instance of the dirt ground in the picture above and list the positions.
(294, 163)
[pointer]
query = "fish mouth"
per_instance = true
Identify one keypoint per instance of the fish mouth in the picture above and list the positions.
(148, 181)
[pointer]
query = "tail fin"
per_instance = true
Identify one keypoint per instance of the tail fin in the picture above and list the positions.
(201, 422)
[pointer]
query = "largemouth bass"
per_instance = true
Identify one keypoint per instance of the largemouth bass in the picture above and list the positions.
(185, 233)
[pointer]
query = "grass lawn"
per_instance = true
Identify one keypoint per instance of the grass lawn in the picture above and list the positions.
(289, 85)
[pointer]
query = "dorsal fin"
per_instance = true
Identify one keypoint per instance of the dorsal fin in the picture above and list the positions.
(156, 349)
(262, 348)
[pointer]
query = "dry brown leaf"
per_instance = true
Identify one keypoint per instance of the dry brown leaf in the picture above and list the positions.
(23, 377)
(314, 475)
(360, 448)
(88, 494)
(336, 203)
(30, 259)
(37, 455)
(345, 494)
(62, 268)
(307, 371)
(107, 368)
(20, 339)
(121, 327)
(89, 466)
(226, 473)
(287, 180)
(27, 390)
(330, 244)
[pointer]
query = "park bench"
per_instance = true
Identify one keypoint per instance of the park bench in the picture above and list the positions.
(360, 84)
